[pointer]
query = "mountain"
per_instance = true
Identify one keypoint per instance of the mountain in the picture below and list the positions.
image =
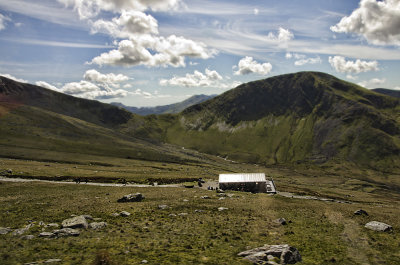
(38, 123)
(294, 118)
(388, 92)
(166, 109)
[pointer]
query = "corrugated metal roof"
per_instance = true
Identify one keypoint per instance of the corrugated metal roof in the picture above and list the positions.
(242, 177)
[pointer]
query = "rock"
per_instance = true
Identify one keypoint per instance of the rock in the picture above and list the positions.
(360, 212)
(64, 232)
(221, 195)
(9, 171)
(52, 260)
(124, 214)
(20, 231)
(262, 255)
(198, 211)
(28, 237)
(144, 261)
(41, 223)
(87, 217)
(5, 230)
(163, 207)
(115, 214)
(222, 198)
(172, 215)
(222, 209)
(55, 225)
(281, 221)
(136, 197)
(97, 225)
(47, 234)
(378, 226)
(75, 222)
(230, 195)
(185, 200)
(205, 197)
(182, 214)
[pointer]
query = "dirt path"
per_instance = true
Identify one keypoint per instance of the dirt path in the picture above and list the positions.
(89, 183)
(307, 197)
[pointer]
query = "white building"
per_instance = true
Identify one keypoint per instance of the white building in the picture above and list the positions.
(252, 182)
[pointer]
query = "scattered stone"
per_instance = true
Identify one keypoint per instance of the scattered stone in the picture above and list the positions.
(75, 222)
(205, 197)
(379, 226)
(222, 209)
(20, 231)
(222, 198)
(64, 232)
(52, 260)
(262, 255)
(182, 214)
(230, 195)
(47, 234)
(115, 214)
(163, 206)
(360, 212)
(144, 261)
(172, 215)
(135, 197)
(198, 211)
(221, 195)
(55, 225)
(87, 217)
(28, 237)
(5, 230)
(220, 191)
(281, 221)
(124, 214)
(185, 200)
(9, 171)
(97, 225)
(41, 223)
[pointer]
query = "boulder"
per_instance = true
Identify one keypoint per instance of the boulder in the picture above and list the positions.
(222, 209)
(28, 237)
(221, 195)
(5, 230)
(55, 225)
(136, 197)
(64, 232)
(97, 225)
(47, 234)
(360, 212)
(262, 255)
(205, 197)
(75, 222)
(281, 221)
(124, 214)
(20, 231)
(379, 226)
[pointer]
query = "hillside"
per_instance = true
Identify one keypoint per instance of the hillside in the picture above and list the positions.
(166, 109)
(295, 118)
(388, 92)
(37, 123)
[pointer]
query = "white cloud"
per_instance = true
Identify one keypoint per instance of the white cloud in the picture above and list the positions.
(139, 92)
(288, 55)
(351, 77)
(284, 35)
(81, 87)
(105, 79)
(3, 20)
(129, 24)
(304, 61)
(154, 51)
(91, 8)
(46, 85)
(372, 83)
(341, 65)
(85, 89)
(14, 78)
(377, 21)
(396, 88)
(256, 11)
(247, 65)
(210, 78)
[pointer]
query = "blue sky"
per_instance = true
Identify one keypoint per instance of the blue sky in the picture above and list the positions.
(147, 53)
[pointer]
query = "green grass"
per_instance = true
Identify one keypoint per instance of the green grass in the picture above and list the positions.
(321, 231)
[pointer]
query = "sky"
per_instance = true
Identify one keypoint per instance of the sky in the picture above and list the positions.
(157, 52)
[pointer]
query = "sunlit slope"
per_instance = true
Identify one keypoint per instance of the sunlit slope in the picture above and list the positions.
(301, 117)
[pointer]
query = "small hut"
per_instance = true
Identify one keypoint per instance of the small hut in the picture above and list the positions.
(251, 182)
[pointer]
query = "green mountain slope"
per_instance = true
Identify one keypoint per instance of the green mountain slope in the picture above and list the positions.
(167, 109)
(306, 116)
(388, 92)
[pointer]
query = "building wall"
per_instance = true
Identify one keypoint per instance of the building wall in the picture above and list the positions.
(244, 186)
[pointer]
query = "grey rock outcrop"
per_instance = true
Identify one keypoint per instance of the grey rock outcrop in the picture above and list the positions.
(265, 255)
(135, 197)
(124, 214)
(97, 225)
(64, 232)
(281, 221)
(379, 226)
(75, 222)
(5, 230)
(360, 212)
